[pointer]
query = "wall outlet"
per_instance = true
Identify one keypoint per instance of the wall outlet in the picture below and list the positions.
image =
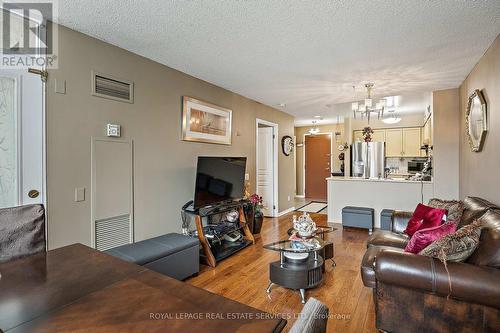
(60, 86)
(289, 198)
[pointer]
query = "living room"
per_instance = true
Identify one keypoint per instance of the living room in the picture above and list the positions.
(102, 147)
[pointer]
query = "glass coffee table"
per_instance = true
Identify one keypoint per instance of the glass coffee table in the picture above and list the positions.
(321, 231)
(300, 266)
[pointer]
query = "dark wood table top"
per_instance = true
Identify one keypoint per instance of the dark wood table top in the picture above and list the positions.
(76, 288)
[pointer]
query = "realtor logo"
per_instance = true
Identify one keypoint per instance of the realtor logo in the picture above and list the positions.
(26, 41)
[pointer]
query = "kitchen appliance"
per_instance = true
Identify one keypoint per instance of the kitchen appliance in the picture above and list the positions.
(416, 166)
(368, 160)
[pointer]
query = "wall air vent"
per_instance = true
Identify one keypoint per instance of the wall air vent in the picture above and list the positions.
(112, 232)
(110, 87)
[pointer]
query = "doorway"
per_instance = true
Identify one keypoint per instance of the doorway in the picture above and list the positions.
(317, 165)
(267, 166)
(22, 139)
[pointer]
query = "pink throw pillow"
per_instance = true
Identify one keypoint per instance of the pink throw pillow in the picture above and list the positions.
(424, 237)
(424, 217)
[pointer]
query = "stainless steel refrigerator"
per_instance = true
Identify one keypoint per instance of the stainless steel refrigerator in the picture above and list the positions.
(368, 160)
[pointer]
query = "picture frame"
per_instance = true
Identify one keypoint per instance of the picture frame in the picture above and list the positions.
(205, 122)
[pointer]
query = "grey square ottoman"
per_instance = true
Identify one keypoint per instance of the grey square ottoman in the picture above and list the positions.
(175, 255)
(358, 217)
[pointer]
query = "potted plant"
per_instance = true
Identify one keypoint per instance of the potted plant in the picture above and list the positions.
(258, 217)
(367, 134)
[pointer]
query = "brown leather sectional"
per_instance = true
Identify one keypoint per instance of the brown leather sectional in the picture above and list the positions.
(412, 293)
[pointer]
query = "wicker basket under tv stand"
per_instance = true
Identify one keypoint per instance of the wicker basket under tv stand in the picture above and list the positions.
(211, 254)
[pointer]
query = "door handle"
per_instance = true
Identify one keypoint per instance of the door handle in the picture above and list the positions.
(33, 194)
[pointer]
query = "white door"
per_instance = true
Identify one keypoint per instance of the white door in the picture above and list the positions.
(21, 139)
(265, 171)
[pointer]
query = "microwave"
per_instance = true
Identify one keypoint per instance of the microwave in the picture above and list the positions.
(415, 166)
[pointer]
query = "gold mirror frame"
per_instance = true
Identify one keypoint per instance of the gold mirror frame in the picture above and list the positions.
(476, 146)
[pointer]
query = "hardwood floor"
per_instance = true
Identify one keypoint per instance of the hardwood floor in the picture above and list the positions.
(245, 276)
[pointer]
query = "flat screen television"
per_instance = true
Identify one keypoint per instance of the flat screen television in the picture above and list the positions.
(219, 179)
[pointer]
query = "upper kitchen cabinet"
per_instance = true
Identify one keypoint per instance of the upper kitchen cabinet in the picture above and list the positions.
(378, 135)
(403, 142)
(394, 142)
(411, 142)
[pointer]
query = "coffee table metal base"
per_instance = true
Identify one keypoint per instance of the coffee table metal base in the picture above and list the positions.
(297, 274)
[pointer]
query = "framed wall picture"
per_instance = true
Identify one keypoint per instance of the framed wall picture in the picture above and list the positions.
(205, 122)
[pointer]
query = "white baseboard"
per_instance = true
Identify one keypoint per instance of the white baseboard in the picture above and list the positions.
(289, 210)
(300, 196)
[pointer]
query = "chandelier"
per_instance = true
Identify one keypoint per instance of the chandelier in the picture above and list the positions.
(315, 129)
(366, 109)
(391, 115)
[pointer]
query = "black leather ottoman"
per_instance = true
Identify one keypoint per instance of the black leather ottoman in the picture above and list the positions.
(175, 255)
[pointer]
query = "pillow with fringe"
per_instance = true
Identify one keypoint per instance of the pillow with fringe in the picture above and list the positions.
(455, 208)
(456, 247)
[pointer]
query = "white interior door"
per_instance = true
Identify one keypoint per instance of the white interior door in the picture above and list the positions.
(21, 139)
(265, 169)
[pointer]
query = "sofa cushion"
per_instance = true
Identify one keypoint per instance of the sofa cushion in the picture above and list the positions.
(457, 246)
(424, 217)
(488, 251)
(422, 238)
(474, 209)
(388, 238)
(455, 208)
(367, 264)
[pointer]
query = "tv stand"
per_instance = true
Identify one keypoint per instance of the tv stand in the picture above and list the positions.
(214, 250)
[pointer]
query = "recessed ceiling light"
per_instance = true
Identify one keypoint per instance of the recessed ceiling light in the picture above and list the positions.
(281, 105)
(317, 117)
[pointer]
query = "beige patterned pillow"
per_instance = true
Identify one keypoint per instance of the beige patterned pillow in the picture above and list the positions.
(457, 246)
(455, 208)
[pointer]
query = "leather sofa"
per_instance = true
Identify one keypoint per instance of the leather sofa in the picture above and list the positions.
(414, 293)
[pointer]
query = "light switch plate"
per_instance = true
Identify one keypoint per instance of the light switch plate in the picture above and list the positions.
(79, 194)
(247, 176)
(60, 86)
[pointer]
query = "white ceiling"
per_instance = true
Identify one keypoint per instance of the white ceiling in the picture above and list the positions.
(307, 54)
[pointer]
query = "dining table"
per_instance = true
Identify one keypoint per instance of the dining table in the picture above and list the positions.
(79, 289)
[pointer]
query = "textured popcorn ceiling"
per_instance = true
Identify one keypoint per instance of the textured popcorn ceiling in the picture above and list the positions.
(306, 54)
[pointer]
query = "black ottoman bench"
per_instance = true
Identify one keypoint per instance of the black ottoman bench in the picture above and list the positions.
(175, 255)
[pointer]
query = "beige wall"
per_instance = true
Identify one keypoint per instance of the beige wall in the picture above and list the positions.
(446, 122)
(164, 165)
(479, 172)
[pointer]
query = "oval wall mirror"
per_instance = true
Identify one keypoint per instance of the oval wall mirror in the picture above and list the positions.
(476, 122)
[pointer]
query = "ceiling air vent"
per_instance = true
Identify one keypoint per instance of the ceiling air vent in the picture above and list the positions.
(110, 87)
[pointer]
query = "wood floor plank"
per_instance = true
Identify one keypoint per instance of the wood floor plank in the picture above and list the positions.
(244, 278)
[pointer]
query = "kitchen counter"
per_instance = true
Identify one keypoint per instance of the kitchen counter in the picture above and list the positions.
(377, 180)
(379, 194)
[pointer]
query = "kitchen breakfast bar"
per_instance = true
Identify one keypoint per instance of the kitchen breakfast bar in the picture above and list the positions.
(378, 194)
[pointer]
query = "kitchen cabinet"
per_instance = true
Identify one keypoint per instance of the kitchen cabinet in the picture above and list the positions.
(399, 142)
(411, 142)
(378, 135)
(394, 142)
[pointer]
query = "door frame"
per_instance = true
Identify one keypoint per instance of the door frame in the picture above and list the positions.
(304, 156)
(275, 210)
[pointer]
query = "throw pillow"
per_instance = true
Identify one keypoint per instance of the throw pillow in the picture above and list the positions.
(457, 246)
(423, 237)
(455, 208)
(424, 217)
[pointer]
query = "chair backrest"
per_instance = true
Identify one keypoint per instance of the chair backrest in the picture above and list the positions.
(312, 319)
(22, 231)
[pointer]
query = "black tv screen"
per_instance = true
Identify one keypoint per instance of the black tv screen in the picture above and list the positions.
(219, 179)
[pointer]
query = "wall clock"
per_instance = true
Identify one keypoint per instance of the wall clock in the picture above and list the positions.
(287, 145)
